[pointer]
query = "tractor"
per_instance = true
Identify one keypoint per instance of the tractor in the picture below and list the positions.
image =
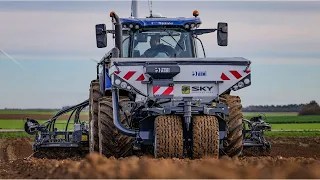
(154, 94)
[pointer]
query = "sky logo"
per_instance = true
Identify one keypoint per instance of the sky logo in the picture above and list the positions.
(199, 73)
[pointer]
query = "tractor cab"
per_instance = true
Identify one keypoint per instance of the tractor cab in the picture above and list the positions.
(159, 37)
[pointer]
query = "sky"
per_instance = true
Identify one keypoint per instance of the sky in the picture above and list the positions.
(54, 42)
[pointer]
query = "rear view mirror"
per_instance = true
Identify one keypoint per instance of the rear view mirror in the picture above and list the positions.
(222, 34)
(101, 36)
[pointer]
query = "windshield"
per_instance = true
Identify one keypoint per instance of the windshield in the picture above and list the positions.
(160, 43)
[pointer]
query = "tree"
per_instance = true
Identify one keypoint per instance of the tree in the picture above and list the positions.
(312, 108)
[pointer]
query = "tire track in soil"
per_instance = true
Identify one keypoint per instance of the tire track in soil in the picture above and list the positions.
(3, 151)
(11, 154)
(14, 149)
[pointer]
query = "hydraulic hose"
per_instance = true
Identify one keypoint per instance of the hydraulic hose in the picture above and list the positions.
(116, 119)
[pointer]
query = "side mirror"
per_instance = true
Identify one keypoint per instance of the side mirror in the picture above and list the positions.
(222, 35)
(101, 35)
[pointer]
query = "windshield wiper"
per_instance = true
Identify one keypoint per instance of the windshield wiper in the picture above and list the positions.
(174, 39)
(167, 43)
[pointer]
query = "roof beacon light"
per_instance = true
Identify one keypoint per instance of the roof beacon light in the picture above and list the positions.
(112, 13)
(195, 13)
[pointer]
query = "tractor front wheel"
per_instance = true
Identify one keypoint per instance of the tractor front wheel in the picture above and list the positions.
(233, 145)
(94, 96)
(111, 141)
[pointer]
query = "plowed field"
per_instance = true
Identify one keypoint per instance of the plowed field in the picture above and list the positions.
(290, 158)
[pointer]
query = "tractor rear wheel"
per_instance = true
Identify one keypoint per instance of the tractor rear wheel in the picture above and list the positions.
(168, 137)
(94, 96)
(205, 136)
(111, 141)
(233, 145)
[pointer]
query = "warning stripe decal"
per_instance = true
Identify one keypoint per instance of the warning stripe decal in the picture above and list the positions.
(158, 90)
(168, 91)
(232, 74)
(140, 78)
(224, 77)
(130, 75)
(155, 89)
(236, 74)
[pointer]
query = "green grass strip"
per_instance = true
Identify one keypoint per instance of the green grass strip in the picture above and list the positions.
(14, 134)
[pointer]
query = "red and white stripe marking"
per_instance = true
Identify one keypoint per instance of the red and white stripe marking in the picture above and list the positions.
(232, 74)
(131, 75)
(163, 90)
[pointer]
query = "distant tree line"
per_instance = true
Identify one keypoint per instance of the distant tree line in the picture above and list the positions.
(274, 108)
(311, 108)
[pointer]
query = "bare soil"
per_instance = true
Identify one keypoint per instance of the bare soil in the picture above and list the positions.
(289, 158)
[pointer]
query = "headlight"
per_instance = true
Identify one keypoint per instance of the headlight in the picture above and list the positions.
(241, 84)
(117, 81)
(247, 81)
(123, 85)
(235, 87)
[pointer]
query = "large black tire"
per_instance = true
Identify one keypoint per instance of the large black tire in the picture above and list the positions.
(94, 96)
(111, 141)
(205, 136)
(233, 145)
(168, 137)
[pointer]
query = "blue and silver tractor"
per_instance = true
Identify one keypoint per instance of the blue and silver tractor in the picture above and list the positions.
(154, 94)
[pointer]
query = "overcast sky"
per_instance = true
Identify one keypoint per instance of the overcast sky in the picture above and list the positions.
(54, 42)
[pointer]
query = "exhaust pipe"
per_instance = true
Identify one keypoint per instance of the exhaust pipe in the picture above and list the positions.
(115, 101)
(134, 8)
(118, 32)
